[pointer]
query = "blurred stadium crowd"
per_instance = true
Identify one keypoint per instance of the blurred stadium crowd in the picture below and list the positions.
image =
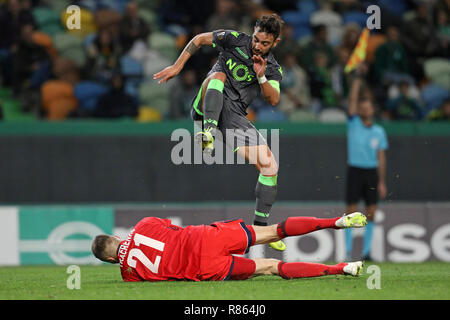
(105, 69)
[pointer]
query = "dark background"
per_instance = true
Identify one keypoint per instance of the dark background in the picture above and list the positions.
(79, 169)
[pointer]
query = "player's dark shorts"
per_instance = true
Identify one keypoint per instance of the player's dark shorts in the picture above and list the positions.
(362, 184)
(236, 129)
(220, 241)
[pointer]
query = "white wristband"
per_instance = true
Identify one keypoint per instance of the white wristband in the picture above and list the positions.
(262, 79)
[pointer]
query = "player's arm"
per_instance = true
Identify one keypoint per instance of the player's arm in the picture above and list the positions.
(270, 91)
(382, 190)
(191, 48)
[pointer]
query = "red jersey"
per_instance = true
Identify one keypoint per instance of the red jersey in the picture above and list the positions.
(157, 250)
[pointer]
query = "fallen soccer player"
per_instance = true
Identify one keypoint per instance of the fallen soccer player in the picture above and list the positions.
(157, 250)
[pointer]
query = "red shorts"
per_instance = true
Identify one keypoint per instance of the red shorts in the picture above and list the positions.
(220, 241)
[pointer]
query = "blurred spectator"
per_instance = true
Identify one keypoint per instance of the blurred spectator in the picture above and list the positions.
(343, 6)
(108, 19)
(419, 35)
(350, 36)
(317, 44)
(316, 79)
(31, 65)
(13, 15)
(404, 107)
(443, 32)
(57, 99)
(391, 59)
(225, 16)
(332, 20)
(132, 27)
(203, 59)
(375, 40)
(44, 40)
(181, 96)
(57, 95)
(440, 114)
(172, 12)
(279, 6)
(103, 56)
(320, 81)
(295, 92)
(185, 13)
(116, 103)
(442, 6)
(339, 78)
(287, 44)
(66, 70)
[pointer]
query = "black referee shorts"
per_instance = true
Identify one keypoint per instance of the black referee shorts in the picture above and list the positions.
(362, 184)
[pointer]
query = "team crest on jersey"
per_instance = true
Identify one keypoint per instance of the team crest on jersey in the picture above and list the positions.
(220, 35)
(374, 143)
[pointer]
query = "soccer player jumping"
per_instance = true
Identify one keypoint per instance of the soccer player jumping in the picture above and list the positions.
(244, 68)
(157, 250)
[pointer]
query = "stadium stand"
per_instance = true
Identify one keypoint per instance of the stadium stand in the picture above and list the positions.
(147, 35)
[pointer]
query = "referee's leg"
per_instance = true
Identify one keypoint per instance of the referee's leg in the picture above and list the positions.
(371, 200)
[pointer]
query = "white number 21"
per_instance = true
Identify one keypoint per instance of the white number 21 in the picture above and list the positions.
(138, 254)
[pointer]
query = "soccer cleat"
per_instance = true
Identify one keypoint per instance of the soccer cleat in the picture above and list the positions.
(352, 220)
(353, 268)
(278, 245)
(206, 139)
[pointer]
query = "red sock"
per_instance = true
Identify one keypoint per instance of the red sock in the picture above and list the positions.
(295, 226)
(290, 270)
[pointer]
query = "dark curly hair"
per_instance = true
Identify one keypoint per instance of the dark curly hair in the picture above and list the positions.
(271, 24)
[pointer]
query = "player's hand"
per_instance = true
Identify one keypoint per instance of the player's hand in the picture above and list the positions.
(259, 65)
(382, 190)
(166, 74)
(361, 69)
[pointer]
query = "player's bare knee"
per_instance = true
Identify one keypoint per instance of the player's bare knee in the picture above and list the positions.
(265, 234)
(269, 171)
(267, 163)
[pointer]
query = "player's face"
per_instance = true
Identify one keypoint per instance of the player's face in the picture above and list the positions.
(262, 42)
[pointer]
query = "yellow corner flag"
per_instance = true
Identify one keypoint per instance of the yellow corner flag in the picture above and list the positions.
(359, 53)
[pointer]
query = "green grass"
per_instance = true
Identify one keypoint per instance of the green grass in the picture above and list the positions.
(406, 281)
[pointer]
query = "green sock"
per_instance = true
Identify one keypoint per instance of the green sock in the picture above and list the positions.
(266, 194)
(213, 103)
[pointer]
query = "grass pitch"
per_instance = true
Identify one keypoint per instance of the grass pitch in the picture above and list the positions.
(406, 281)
